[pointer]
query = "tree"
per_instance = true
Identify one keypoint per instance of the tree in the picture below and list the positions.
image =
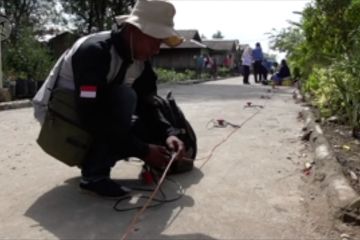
(27, 13)
(217, 35)
(90, 15)
(291, 41)
(23, 55)
(324, 33)
(27, 58)
(286, 40)
(328, 25)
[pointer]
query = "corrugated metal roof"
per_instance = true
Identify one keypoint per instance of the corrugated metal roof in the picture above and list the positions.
(190, 34)
(224, 45)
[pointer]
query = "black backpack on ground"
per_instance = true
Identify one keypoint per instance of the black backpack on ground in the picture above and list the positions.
(172, 112)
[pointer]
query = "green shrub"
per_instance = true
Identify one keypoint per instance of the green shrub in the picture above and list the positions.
(326, 95)
(27, 58)
(190, 74)
(224, 72)
(347, 79)
(336, 91)
(167, 75)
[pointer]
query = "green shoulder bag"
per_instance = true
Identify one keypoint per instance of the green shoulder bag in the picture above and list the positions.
(61, 135)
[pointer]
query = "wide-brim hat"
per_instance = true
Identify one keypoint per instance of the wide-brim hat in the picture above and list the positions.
(154, 18)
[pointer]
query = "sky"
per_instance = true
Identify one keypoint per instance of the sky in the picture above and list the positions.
(245, 20)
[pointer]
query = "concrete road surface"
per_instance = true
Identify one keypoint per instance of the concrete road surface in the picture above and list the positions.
(251, 188)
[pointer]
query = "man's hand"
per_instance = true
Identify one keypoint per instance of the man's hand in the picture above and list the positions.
(157, 157)
(176, 145)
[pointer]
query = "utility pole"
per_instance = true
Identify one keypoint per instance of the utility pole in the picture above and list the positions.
(5, 29)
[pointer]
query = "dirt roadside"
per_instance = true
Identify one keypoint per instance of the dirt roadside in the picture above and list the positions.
(334, 170)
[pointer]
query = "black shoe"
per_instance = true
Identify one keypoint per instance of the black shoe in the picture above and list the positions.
(104, 187)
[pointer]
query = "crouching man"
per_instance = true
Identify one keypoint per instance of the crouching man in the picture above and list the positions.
(111, 79)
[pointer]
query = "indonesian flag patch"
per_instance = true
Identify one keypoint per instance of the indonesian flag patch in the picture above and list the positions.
(88, 91)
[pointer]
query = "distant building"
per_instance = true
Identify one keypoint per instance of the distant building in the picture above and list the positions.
(180, 58)
(220, 50)
(183, 56)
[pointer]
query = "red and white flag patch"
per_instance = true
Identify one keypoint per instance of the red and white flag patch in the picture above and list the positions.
(88, 91)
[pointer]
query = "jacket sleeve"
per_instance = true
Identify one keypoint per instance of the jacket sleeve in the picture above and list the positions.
(145, 88)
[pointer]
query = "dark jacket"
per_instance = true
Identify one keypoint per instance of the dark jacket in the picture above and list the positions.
(284, 72)
(91, 64)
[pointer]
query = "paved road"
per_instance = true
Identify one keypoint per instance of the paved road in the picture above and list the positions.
(251, 188)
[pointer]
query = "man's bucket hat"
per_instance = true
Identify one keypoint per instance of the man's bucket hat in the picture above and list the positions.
(154, 18)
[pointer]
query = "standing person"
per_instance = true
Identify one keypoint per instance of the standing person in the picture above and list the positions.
(111, 79)
(208, 63)
(199, 62)
(265, 68)
(228, 63)
(258, 58)
(214, 67)
(232, 64)
(246, 64)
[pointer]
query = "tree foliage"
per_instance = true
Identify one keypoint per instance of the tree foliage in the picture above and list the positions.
(23, 55)
(286, 40)
(27, 13)
(326, 46)
(218, 35)
(90, 15)
(26, 58)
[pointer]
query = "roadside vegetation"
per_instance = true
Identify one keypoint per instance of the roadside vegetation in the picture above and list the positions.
(325, 47)
(169, 75)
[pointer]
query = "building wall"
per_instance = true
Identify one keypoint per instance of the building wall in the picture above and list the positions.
(177, 59)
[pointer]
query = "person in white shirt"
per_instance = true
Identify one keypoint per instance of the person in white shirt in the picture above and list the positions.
(247, 60)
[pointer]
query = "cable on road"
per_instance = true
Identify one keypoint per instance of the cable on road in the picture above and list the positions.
(137, 216)
(223, 123)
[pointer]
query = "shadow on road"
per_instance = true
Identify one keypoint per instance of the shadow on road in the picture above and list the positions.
(67, 214)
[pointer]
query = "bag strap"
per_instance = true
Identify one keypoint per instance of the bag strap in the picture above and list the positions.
(119, 79)
(52, 86)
